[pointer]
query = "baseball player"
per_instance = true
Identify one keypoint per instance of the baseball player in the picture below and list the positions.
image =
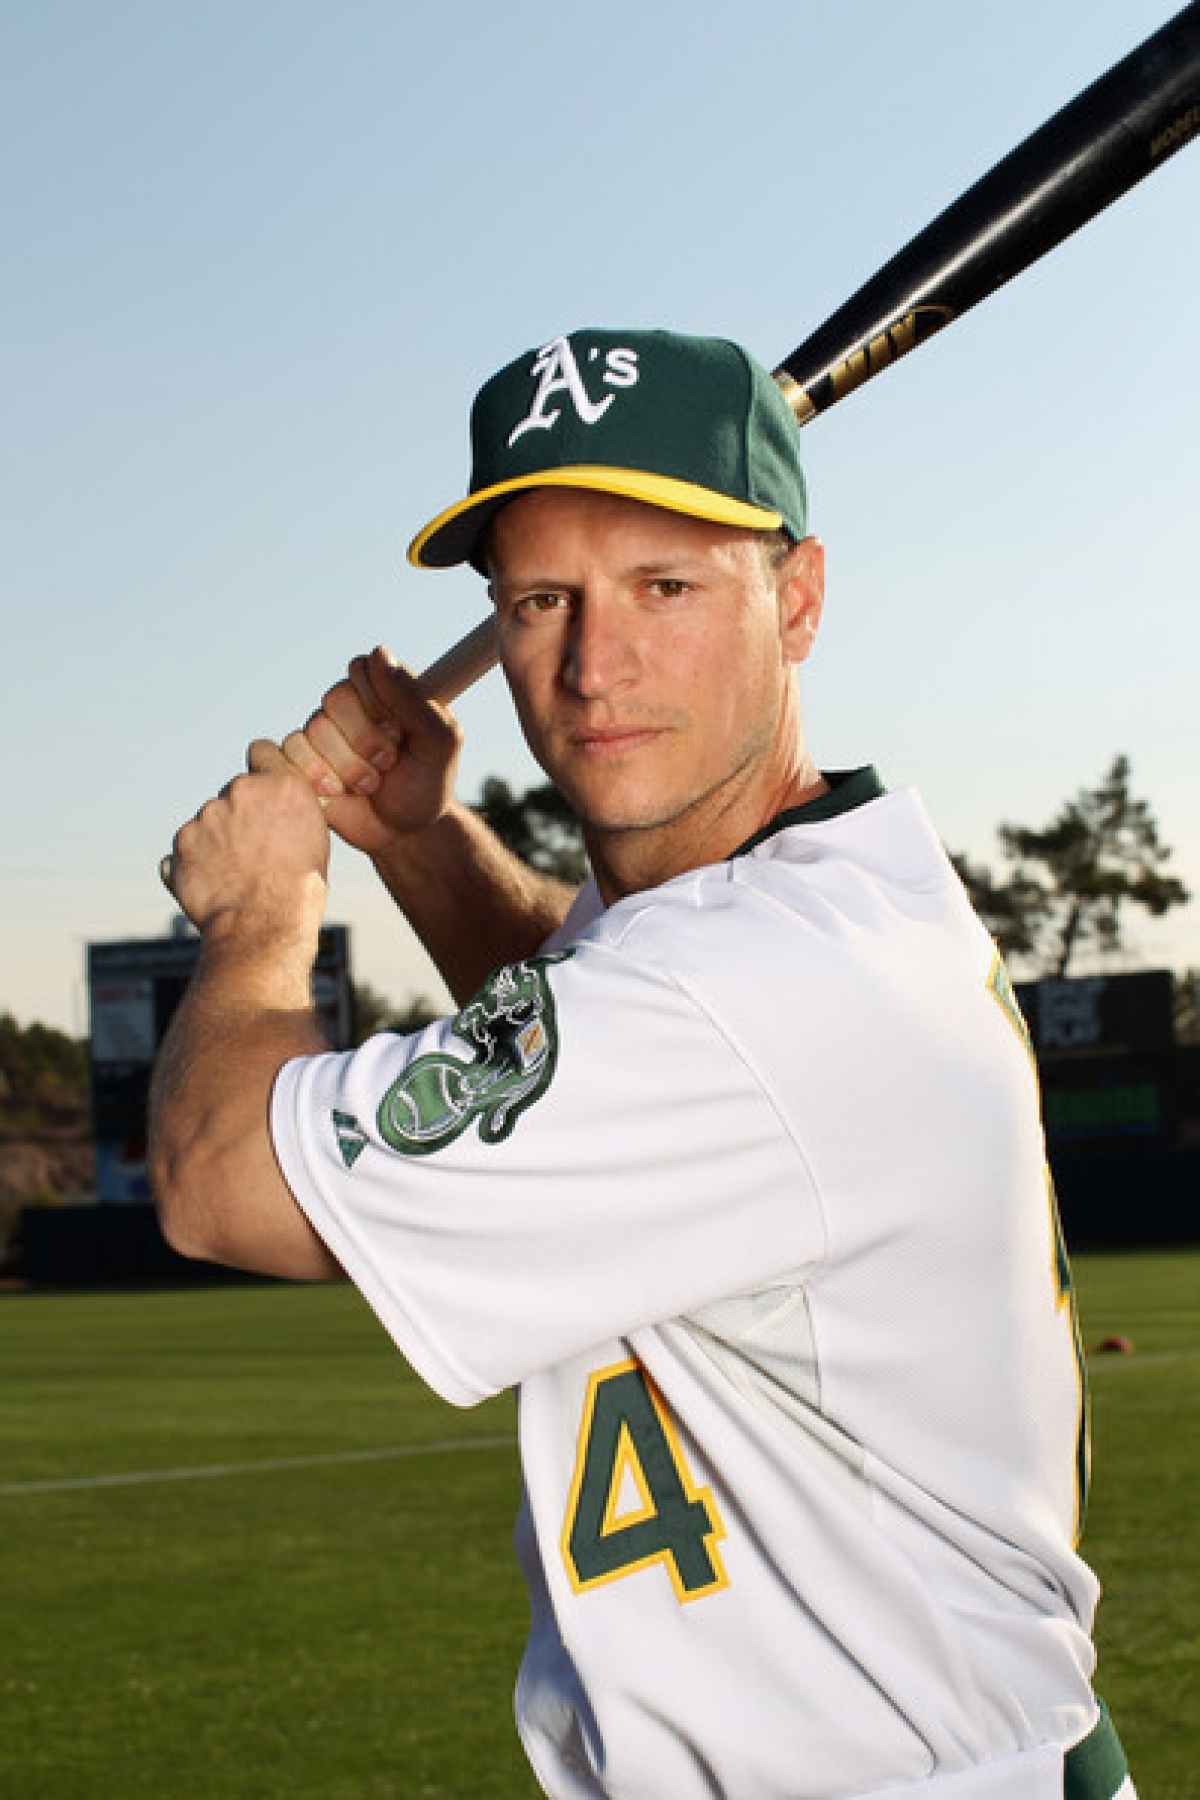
(731, 1163)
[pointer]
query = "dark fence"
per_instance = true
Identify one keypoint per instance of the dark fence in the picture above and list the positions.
(107, 1245)
(1111, 1198)
(1135, 1198)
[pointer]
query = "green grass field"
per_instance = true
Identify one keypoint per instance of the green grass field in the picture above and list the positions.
(244, 1553)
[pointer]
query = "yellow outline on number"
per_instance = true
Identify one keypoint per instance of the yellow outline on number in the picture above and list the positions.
(628, 1458)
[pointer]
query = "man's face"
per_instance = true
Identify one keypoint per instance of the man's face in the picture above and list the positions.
(649, 656)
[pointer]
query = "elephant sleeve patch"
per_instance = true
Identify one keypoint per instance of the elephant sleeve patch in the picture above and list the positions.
(510, 1034)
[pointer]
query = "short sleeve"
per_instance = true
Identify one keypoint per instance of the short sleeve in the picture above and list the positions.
(578, 1154)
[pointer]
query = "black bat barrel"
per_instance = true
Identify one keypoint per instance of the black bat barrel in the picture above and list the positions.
(1109, 137)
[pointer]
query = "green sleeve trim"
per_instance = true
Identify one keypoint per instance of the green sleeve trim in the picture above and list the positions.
(1096, 1767)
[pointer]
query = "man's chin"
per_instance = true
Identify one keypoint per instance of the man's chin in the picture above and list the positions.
(611, 819)
(610, 801)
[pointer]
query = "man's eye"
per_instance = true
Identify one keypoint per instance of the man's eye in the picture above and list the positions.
(668, 587)
(531, 606)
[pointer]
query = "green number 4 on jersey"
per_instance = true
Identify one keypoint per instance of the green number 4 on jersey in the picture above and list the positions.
(633, 1501)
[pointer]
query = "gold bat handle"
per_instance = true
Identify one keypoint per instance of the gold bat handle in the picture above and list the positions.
(462, 666)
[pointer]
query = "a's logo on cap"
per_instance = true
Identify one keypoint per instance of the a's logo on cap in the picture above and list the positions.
(559, 373)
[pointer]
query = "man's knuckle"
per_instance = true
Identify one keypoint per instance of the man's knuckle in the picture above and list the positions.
(335, 697)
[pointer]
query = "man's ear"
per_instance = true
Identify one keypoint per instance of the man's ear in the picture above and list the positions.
(801, 596)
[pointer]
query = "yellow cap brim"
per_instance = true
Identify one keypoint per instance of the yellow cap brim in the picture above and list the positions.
(451, 537)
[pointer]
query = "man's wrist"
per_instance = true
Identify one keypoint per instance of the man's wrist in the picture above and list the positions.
(268, 958)
(422, 845)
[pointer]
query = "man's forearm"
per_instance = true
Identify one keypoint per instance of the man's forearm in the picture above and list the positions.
(219, 1190)
(473, 904)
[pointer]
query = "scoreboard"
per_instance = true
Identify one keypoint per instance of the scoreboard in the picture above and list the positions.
(133, 988)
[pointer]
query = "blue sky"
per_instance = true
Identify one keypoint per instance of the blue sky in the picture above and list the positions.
(260, 255)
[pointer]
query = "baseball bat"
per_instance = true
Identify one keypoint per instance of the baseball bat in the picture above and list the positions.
(1112, 135)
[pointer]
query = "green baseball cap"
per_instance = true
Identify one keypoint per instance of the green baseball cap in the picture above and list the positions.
(692, 424)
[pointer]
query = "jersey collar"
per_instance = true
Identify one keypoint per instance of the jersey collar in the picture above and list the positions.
(848, 788)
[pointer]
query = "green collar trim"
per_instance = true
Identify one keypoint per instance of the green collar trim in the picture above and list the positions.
(848, 789)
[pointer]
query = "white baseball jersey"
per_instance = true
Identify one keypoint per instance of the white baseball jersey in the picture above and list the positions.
(743, 1185)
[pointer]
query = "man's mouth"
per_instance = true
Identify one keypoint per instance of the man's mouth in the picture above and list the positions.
(607, 741)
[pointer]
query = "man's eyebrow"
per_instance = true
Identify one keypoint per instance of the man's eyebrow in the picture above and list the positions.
(666, 567)
(499, 587)
(683, 564)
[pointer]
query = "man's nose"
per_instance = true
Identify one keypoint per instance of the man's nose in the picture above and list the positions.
(599, 654)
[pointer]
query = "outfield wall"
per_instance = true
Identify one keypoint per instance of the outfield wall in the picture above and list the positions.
(107, 1246)
(1109, 1199)
(1128, 1198)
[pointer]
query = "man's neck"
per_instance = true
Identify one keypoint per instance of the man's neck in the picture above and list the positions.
(630, 861)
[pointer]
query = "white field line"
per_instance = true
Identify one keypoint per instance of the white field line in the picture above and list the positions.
(1101, 1362)
(68, 1484)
